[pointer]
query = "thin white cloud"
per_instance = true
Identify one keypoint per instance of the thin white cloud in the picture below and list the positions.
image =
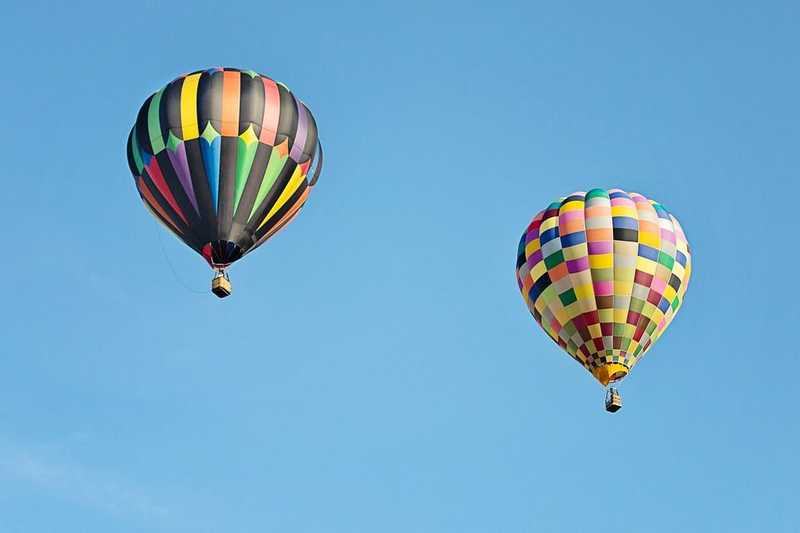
(79, 484)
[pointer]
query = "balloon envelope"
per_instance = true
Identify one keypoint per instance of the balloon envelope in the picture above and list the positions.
(222, 158)
(604, 274)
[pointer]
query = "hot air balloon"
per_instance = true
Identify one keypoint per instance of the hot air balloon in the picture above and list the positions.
(222, 158)
(604, 273)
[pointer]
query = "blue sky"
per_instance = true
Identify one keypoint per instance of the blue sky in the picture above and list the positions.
(376, 368)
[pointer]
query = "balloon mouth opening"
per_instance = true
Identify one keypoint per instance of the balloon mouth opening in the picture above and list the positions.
(220, 254)
(610, 373)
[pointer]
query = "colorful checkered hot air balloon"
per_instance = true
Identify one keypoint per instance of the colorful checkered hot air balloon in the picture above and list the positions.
(223, 157)
(604, 273)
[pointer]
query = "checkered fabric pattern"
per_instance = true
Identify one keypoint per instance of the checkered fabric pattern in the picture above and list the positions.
(604, 273)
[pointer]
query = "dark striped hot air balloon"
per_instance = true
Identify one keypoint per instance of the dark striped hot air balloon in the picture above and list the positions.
(223, 158)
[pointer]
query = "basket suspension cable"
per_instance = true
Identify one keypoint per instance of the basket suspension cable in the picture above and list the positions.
(172, 267)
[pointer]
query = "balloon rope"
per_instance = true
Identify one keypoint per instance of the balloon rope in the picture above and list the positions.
(172, 268)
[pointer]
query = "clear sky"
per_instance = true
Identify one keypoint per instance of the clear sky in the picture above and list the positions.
(376, 369)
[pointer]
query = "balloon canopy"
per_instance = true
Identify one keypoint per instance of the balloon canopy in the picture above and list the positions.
(223, 158)
(604, 273)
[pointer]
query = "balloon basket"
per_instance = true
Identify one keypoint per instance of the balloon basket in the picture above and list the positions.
(613, 400)
(221, 285)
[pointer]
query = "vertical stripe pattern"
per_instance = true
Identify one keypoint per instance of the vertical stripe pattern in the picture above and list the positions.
(221, 158)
